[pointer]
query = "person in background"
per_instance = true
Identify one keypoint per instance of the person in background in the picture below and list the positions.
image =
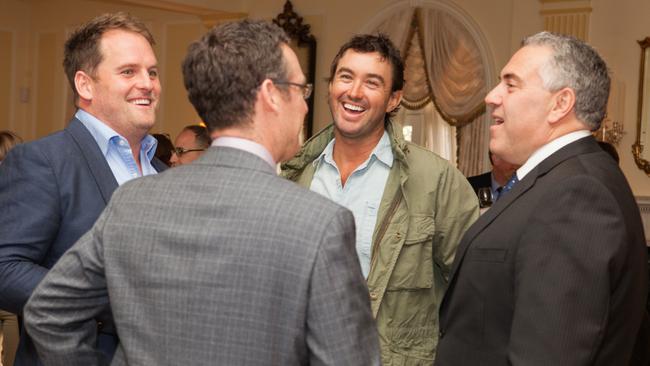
(190, 144)
(8, 140)
(219, 262)
(53, 189)
(555, 273)
(410, 206)
(496, 178)
(8, 321)
(165, 148)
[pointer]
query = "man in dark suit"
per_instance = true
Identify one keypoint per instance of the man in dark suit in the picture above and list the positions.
(555, 272)
(219, 262)
(494, 179)
(52, 190)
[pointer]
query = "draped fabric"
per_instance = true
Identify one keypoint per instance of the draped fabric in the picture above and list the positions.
(448, 59)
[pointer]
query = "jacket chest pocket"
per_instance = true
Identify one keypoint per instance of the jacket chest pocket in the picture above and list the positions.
(414, 267)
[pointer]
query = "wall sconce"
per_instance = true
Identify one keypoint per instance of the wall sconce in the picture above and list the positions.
(609, 131)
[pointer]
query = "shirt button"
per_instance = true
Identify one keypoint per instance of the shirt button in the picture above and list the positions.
(398, 235)
(373, 296)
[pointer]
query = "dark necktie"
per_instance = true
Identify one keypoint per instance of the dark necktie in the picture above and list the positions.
(511, 183)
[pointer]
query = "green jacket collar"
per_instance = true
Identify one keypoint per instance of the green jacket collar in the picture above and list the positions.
(317, 143)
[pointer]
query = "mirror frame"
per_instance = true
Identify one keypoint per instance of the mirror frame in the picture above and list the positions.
(293, 25)
(637, 147)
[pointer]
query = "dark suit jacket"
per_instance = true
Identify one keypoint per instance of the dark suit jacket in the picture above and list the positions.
(51, 192)
(480, 181)
(554, 273)
(218, 262)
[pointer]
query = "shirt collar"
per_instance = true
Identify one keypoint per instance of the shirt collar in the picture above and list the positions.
(381, 152)
(246, 145)
(104, 134)
(548, 149)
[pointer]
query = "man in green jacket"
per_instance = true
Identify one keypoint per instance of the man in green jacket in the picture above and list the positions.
(410, 206)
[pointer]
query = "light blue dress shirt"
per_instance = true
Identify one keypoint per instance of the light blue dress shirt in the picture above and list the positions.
(361, 194)
(117, 151)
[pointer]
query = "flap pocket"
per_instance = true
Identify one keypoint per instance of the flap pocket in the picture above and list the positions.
(421, 228)
(487, 255)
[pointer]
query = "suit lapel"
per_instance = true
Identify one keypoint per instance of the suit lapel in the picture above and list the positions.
(582, 146)
(95, 160)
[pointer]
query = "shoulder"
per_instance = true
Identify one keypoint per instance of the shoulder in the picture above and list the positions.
(428, 165)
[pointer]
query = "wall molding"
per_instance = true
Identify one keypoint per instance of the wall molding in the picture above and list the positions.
(209, 17)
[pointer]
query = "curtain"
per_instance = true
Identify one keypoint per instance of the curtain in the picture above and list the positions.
(451, 64)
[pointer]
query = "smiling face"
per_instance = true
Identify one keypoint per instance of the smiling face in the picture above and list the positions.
(360, 95)
(520, 106)
(125, 89)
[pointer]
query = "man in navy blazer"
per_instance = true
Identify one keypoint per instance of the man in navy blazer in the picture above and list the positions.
(52, 190)
(555, 272)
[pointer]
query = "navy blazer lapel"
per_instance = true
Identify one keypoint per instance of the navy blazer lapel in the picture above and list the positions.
(581, 146)
(95, 160)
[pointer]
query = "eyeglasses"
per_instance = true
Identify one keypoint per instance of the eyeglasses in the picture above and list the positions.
(181, 150)
(306, 88)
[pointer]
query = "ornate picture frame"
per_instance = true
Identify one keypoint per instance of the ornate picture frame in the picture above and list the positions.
(303, 44)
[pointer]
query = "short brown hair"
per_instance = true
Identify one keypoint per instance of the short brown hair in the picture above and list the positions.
(82, 50)
(225, 68)
(8, 140)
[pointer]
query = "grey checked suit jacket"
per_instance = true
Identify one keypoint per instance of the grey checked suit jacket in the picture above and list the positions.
(554, 273)
(219, 262)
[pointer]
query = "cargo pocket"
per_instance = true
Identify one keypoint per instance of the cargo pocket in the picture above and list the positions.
(414, 267)
(413, 346)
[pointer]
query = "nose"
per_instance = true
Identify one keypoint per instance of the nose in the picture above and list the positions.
(174, 159)
(145, 81)
(493, 98)
(355, 91)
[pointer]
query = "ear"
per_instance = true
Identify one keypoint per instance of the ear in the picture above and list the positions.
(394, 100)
(268, 96)
(562, 104)
(84, 85)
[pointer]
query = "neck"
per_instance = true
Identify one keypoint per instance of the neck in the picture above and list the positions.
(350, 153)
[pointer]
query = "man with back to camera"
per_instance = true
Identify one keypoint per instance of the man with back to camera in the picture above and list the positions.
(234, 266)
(555, 272)
(52, 190)
(190, 143)
(410, 206)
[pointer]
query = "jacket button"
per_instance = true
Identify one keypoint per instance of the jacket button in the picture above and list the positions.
(373, 296)
(441, 334)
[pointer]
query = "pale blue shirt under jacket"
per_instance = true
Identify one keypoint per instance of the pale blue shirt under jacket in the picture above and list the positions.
(361, 194)
(117, 151)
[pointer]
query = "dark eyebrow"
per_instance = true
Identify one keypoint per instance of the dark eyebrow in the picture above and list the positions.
(511, 77)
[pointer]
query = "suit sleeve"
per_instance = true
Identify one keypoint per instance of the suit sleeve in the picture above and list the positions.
(340, 327)
(60, 315)
(456, 210)
(29, 220)
(568, 257)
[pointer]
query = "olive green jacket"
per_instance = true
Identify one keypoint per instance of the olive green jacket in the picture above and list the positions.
(426, 207)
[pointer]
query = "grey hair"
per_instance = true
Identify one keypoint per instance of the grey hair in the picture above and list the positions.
(576, 65)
